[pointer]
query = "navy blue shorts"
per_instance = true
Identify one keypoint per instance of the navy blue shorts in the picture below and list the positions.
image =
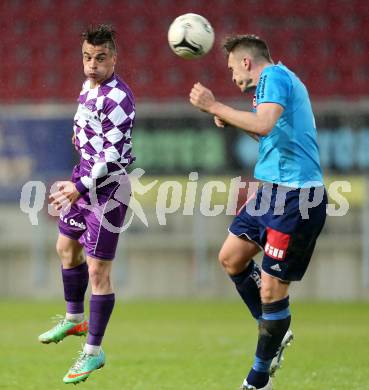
(285, 223)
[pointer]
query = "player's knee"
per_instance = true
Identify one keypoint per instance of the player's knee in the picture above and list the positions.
(225, 260)
(67, 255)
(273, 289)
(222, 258)
(232, 263)
(271, 294)
(98, 276)
(63, 251)
(94, 273)
(267, 294)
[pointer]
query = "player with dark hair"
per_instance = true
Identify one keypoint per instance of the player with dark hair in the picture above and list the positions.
(288, 167)
(102, 135)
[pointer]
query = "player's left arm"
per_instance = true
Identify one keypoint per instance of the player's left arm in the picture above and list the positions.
(259, 123)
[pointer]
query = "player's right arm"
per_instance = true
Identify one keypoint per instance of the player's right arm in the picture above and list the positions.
(259, 123)
(221, 123)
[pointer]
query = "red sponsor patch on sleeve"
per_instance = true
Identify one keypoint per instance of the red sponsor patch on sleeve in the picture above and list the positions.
(277, 244)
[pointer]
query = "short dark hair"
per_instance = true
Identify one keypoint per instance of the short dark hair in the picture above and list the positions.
(257, 46)
(102, 34)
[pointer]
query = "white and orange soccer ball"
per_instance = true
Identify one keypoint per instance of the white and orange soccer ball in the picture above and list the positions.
(190, 36)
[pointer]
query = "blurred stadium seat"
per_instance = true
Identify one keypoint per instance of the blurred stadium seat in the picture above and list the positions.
(321, 40)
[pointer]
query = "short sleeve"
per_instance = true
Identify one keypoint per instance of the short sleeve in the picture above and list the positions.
(274, 86)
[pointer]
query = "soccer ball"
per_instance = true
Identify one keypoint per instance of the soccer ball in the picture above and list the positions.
(190, 36)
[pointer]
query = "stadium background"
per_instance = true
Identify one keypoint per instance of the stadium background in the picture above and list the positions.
(325, 42)
(178, 322)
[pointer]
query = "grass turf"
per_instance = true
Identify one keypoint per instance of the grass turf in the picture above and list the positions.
(188, 346)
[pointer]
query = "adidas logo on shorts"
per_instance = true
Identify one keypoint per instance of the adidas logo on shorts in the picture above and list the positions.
(276, 267)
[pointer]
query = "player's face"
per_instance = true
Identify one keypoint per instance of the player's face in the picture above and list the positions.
(98, 63)
(240, 68)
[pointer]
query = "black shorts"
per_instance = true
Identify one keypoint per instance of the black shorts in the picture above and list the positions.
(285, 223)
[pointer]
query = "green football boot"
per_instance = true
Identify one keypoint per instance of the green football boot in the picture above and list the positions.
(63, 329)
(83, 367)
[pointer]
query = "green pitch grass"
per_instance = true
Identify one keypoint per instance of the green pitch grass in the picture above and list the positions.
(188, 346)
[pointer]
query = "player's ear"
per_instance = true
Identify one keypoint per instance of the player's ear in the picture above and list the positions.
(114, 56)
(246, 63)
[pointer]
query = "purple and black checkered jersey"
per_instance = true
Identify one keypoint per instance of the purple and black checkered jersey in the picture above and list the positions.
(103, 128)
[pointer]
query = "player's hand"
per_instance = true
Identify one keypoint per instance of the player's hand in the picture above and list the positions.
(74, 141)
(219, 122)
(202, 97)
(65, 196)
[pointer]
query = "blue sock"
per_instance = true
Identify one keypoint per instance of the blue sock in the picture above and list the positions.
(248, 286)
(273, 326)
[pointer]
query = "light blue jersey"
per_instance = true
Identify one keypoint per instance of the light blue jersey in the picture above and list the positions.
(289, 154)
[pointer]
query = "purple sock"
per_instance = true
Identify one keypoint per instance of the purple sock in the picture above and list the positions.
(101, 307)
(75, 281)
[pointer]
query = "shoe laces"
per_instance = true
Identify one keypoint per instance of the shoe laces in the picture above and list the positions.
(59, 319)
(80, 360)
